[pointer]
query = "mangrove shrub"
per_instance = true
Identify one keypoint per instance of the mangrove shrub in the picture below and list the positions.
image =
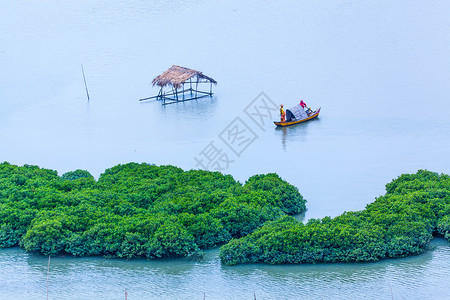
(135, 210)
(398, 224)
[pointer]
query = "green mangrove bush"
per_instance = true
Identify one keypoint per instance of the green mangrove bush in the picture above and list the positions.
(398, 224)
(135, 210)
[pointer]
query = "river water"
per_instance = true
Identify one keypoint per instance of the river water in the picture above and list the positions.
(378, 69)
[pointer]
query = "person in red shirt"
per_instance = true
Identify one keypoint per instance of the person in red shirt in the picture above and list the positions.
(302, 104)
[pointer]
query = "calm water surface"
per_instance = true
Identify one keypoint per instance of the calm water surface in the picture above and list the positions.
(420, 277)
(378, 69)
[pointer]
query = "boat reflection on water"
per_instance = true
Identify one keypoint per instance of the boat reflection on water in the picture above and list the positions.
(296, 132)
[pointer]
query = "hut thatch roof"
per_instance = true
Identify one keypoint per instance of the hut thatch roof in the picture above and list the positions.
(177, 75)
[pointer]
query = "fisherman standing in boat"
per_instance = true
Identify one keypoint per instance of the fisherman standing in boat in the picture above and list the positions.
(282, 113)
(302, 104)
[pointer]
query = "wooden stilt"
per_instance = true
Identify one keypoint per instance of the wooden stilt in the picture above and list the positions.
(196, 87)
(183, 91)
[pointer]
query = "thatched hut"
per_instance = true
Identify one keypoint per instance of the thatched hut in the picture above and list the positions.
(177, 84)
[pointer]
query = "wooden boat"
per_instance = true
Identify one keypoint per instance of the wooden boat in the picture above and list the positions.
(311, 116)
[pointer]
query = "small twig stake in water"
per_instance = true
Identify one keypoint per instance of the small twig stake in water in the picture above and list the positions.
(126, 294)
(85, 85)
(390, 287)
(48, 271)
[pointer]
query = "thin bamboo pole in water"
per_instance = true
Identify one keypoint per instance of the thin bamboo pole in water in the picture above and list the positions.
(85, 85)
(48, 271)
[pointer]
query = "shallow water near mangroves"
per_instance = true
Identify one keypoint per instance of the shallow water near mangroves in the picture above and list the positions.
(24, 277)
(378, 69)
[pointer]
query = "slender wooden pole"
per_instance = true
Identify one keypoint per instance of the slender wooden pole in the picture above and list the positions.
(126, 294)
(48, 271)
(390, 287)
(85, 85)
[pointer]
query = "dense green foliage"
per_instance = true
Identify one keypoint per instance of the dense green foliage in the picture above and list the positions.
(398, 224)
(135, 210)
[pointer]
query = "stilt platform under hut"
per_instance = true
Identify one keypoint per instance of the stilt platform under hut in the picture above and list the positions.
(179, 84)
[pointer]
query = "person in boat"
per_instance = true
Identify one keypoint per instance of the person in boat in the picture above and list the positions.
(282, 113)
(302, 104)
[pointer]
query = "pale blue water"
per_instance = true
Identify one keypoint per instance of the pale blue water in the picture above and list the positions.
(378, 69)
(24, 276)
